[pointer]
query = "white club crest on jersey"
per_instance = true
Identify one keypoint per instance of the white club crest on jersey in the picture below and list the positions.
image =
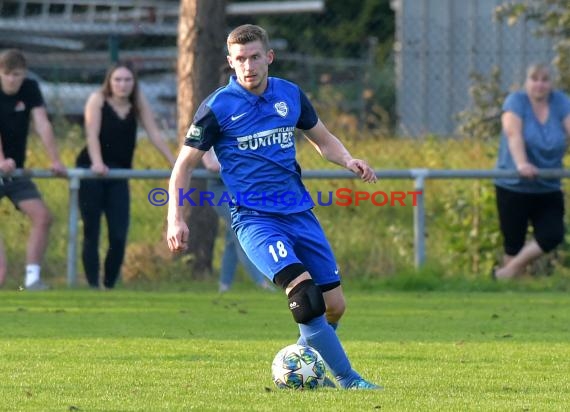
(281, 108)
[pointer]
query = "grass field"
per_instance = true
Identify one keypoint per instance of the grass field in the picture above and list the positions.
(171, 350)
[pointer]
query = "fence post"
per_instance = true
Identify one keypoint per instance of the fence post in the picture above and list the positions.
(73, 230)
(419, 218)
(114, 48)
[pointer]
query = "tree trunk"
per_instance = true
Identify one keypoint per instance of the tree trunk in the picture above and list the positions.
(201, 40)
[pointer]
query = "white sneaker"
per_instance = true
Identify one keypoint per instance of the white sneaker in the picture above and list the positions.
(223, 288)
(37, 286)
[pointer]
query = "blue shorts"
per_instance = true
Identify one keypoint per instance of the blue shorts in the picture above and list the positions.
(273, 242)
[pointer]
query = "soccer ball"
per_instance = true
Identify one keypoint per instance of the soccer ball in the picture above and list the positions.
(298, 367)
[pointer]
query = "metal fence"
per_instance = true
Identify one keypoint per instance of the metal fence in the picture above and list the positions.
(441, 43)
(364, 91)
(418, 176)
(70, 43)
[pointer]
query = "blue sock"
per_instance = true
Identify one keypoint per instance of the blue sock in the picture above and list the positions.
(302, 341)
(321, 336)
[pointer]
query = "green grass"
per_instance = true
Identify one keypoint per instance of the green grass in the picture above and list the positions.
(169, 350)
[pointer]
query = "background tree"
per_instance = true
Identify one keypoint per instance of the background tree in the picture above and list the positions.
(201, 39)
(482, 121)
(356, 29)
(341, 30)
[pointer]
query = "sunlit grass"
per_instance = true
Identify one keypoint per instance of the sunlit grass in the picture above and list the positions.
(170, 350)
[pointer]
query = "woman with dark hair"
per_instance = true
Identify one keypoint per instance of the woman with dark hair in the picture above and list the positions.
(112, 114)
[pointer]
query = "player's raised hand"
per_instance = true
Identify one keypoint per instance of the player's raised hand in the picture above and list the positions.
(362, 169)
(177, 236)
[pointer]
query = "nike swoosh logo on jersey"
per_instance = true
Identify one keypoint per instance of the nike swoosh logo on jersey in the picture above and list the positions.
(234, 118)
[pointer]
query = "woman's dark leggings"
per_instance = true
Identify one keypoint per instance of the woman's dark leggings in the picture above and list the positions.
(544, 210)
(111, 197)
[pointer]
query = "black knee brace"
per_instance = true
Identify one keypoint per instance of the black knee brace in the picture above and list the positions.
(306, 301)
(287, 274)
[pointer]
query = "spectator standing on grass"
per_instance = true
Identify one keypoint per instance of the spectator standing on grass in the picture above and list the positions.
(112, 114)
(536, 127)
(250, 123)
(233, 252)
(20, 99)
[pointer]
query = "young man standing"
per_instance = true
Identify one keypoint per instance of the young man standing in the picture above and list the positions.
(21, 98)
(250, 123)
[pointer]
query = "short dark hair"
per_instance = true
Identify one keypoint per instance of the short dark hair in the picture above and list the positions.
(248, 33)
(12, 59)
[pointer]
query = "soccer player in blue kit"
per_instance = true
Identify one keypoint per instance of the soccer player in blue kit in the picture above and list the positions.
(250, 123)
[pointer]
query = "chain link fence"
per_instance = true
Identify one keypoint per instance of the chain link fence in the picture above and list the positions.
(441, 45)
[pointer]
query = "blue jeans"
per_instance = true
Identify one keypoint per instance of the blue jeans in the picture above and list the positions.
(233, 253)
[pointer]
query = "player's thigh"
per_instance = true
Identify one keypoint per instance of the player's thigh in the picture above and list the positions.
(315, 252)
(267, 244)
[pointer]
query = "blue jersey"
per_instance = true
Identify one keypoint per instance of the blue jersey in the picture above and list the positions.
(254, 140)
(545, 143)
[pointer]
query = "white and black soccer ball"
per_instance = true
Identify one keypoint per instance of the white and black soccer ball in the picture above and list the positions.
(298, 367)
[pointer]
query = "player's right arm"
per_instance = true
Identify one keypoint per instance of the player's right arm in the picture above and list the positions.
(177, 233)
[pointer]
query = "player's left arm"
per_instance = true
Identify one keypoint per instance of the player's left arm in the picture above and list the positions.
(45, 131)
(332, 149)
(154, 134)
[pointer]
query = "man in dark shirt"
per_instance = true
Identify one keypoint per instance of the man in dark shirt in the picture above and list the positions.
(19, 98)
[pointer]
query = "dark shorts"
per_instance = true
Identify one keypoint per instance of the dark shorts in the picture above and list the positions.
(545, 211)
(18, 189)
